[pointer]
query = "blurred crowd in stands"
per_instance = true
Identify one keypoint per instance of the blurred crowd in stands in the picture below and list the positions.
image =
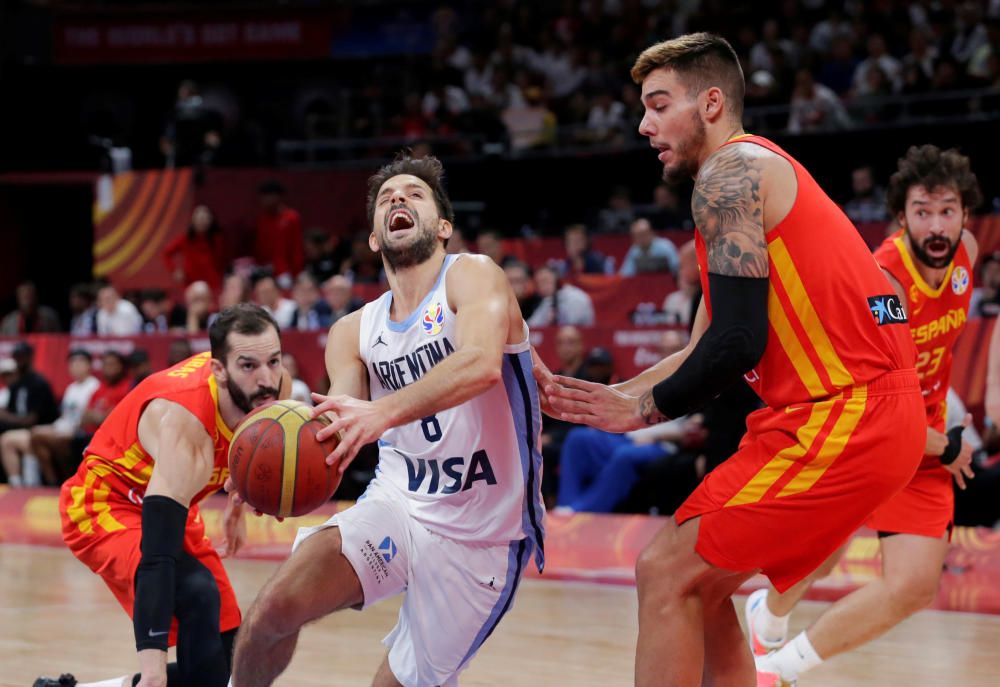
(520, 76)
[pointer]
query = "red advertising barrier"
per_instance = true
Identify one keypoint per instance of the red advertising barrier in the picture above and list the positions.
(633, 349)
(580, 547)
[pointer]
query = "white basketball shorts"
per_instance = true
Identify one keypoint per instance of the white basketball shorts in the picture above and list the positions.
(456, 592)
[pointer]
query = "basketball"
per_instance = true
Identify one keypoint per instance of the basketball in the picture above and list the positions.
(276, 462)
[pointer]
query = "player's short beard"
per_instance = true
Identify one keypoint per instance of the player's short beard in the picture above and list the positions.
(243, 401)
(402, 257)
(686, 154)
(923, 256)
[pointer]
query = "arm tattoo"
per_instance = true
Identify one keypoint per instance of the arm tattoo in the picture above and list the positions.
(649, 411)
(728, 210)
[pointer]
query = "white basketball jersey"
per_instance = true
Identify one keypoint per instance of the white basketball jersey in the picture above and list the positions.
(472, 472)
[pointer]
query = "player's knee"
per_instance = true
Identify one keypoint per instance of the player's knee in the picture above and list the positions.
(914, 591)
(660, 568)
(198, 596)
(275, 613)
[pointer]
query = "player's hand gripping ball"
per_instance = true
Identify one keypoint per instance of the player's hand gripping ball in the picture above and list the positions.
(276, 463)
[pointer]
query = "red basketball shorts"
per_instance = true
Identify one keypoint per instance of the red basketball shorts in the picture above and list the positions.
(104, 529)
(926, 505)
(807, 476)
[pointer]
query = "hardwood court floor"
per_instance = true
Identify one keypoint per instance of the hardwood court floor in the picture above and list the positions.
(56, 616)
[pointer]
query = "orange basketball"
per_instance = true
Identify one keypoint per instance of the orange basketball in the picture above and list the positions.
(277, 464)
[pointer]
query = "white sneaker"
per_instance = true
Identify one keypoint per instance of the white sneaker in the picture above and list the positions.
(758, 645)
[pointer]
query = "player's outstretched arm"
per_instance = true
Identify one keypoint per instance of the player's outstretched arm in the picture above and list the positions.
(184, 455)
(728, 207)
(479, 293)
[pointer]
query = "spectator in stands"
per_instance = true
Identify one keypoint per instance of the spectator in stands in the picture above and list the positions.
(570, 354)
(836, 71)
(322, 260)
(681, 304)
(523, 285)
(598, 470)
(158, 313)
(199, 254)
(279, 234)
(618, 214)
(532, 125)
(363, 266)
(457, 243)
(199, 307)
(878, 57)
(115, 385)
(50, 443)
(561, 303)
(982, 60)
(30, 317)
(580, 257)
(922, 53)
(267, 295)
(192, 129)
(311, 311)
(115, 315)
(815, 107)
(986, 297)
(762, 55)
(338, 292)
(179, 351)
(606, 120)
(139, 366)
(83, 312)
(649, 253)
(490, 244)
(868, 202)
(30, 401)
(970, 32)
(666, 211)
(300, 390)
(235, 289)
(8, 373)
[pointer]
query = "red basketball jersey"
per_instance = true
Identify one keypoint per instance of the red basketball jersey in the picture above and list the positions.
(115, 456)
(834, 320)
(937, 316)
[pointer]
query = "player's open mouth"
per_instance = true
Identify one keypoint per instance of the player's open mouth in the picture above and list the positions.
(937, 247)
(263, 400)
(400, 219)
(664, 149)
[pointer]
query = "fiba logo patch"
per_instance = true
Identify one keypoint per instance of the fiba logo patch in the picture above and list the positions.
(433, 319)
(388, 549)
(959, 280)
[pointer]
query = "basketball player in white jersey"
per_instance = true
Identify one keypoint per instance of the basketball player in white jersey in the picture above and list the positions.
(438, 370)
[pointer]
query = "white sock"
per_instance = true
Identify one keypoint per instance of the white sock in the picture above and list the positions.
(771, 628)
(791, 660)
(14, 481)
(114, 682)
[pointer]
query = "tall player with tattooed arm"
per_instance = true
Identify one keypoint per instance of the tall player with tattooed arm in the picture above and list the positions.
(789, 295)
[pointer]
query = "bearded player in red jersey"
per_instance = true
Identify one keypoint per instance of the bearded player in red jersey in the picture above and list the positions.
(929, 263)
(789, 289)
(131, 511)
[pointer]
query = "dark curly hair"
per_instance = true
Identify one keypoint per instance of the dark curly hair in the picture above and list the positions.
(428, 169)
(932, 168)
